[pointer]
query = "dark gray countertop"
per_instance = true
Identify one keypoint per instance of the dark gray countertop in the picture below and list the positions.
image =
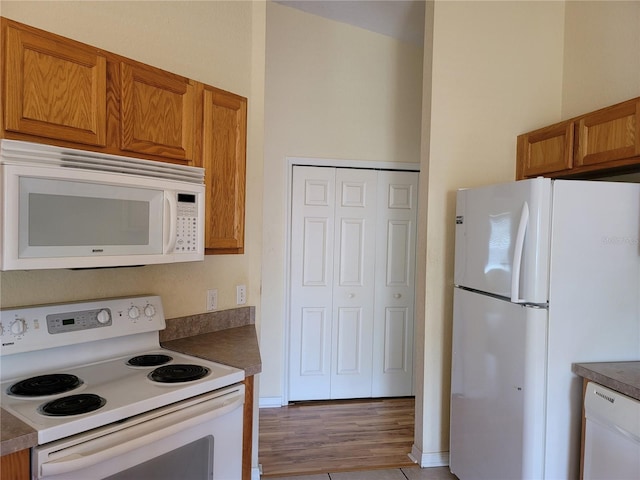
(236, 347)
(623, 377)
(15, 435)
(226, 336)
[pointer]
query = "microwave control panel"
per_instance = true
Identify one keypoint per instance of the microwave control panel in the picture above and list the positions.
(187, 224)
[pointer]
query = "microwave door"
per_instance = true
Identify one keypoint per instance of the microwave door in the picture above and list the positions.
(71, 218)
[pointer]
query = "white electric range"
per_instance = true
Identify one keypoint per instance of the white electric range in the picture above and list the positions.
(91, 378)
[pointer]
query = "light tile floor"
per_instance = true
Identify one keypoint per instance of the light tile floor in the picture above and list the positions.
(405, 473)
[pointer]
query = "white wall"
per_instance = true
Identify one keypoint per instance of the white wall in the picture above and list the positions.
(218, 43)
(332, 91)
(496, 70)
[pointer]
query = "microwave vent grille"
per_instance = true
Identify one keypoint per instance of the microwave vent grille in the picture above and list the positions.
(19, 152)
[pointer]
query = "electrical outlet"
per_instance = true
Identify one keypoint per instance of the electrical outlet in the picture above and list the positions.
(212, 299)
(241, 294)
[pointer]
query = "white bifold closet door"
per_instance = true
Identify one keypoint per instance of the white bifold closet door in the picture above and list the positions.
(352, 283)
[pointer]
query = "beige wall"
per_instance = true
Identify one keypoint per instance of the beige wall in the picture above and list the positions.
(219, 43)
(332, 91)
(492, 70)
(496, 70)
(500, 69)
(601, 55)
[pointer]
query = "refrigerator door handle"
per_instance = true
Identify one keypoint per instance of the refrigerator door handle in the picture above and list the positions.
(517, 255)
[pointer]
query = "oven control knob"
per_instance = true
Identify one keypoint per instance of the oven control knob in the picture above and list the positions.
(149, 310)
(134, 312)
(103, 317)
(19, 326)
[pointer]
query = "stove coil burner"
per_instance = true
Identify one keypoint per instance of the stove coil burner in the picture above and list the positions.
(178, 373)
(73, 405)
(42, 385)
(150, 360)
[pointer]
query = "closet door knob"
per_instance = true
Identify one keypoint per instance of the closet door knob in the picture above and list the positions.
(397, 295)
(351, 295)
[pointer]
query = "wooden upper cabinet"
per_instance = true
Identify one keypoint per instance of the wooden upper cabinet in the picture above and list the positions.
(60, 91)
(609, 134)
(546, 150)
(55, 87)
(157, 112)
(224, 139)
(599, 143)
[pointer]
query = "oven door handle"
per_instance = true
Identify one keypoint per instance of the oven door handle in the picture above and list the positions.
(117, 443)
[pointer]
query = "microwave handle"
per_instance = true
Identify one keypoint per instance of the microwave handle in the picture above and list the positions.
(172, 206)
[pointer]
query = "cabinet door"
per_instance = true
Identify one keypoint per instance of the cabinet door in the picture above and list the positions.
(16, 465)
(544, 151)
(394, 284)
(157, 112)
(223, 157)
(609, 134)
(58, 87)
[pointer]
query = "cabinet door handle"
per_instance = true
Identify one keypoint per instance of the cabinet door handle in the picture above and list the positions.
(397, 295)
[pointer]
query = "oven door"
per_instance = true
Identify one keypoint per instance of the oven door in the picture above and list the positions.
(197, 439)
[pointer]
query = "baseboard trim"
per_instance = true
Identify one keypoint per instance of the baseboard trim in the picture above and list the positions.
(270, 402)
(438, 459)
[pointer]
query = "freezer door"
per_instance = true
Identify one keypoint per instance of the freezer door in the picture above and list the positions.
(497, 389)
(502, 239)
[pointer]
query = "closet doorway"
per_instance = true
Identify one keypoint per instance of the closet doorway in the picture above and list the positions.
(351, 296)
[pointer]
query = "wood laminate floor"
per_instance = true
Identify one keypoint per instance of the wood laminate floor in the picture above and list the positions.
(336, 436)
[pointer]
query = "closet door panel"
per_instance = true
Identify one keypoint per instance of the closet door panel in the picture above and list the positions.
(353, 292)
(311, 304)
(351, 263)
(313, 326)
(352, 283)
(394, 300)
(349, 361)
(396, 358)
(314, 252)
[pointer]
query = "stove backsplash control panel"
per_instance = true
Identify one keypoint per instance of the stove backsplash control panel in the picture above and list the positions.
(70, 322)
(46, 326)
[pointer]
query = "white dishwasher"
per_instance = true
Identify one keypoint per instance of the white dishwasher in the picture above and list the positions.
(612, 435)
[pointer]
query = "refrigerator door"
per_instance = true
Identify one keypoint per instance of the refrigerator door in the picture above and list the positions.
(502, 239)
(497, 389)
(594, 301)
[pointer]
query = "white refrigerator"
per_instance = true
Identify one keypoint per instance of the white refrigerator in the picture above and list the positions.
(547, 273)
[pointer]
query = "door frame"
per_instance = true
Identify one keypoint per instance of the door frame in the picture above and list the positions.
(316, 162)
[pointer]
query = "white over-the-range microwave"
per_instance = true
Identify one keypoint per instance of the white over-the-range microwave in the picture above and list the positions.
(67, 208)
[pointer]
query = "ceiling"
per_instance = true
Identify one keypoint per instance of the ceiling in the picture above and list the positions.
(400, 19)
